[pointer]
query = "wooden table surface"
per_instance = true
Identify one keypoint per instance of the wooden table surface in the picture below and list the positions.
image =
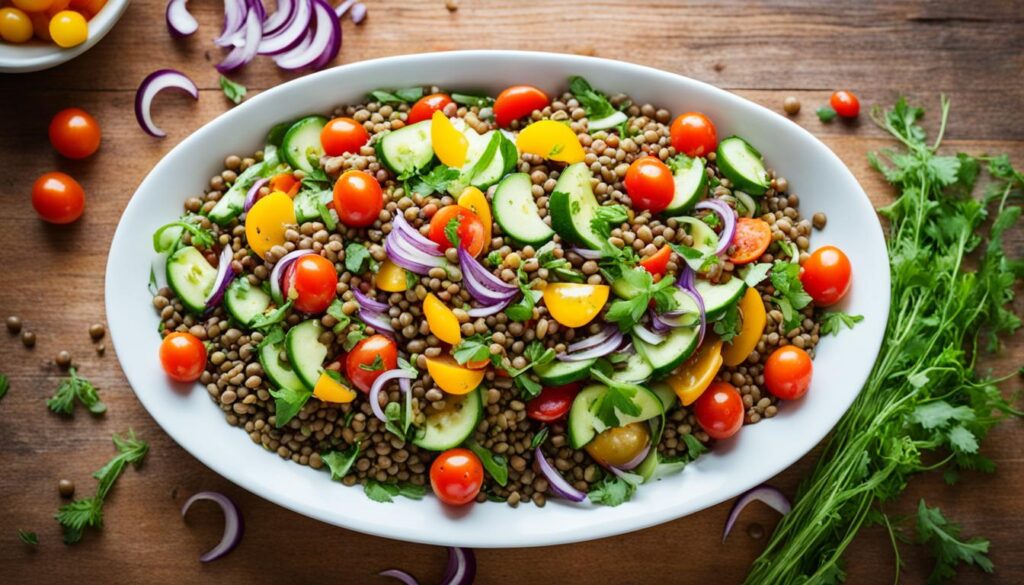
(762, 50)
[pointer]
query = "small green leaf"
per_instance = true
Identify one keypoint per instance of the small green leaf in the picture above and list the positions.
(234, 91)
(826, 114)
(340, 462)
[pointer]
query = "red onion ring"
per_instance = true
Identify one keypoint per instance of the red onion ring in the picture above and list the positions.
(413, 235)
(400, 575)
(686, 284)
(488, 310)
(180, 21)
(728, 215)
(342, 8)
(235, 12)
(405, 253)
(586, 254)
(153, 84)
(593, 340)
(291, 33)
(635, 461)
(254, 191)
(378, 385)
(770, 495)
(376, 320)
(282, 15)
(253, 33)
(324, 44)
(559, 485)
(225, 274)
(234, 525)
(600, 350)
(474, 270)
(647, 335)
(368, 303)
(461, 568)
(278, 271)
(358, 13)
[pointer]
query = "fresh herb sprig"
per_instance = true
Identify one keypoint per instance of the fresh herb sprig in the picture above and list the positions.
(75, 389)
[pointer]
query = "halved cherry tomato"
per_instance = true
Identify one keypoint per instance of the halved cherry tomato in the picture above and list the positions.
(391, 277)
(343, 135)
(658, 263)
(753, 318)
(267, 220)
(452, 377)
(575, 305)
(474, 200)
(518, 101)
(552, 403)
(358, 198)
(698, 371)
(449, 144)
(845, 104)
(552, 140)
(719, 410)
(619, 445)
(787, 373)
(361, 363)
(456, 476)
(693, 134)
(183, 356)
(328, 389)
(58, 198)
(313, 283)
(285, 183)
(649, 184)
(826, 275)
(470, 229)
(74, 133)
(442, 321)
(426, 106)
(752, 238)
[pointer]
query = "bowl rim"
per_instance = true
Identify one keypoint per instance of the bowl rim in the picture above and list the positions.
(869, 335)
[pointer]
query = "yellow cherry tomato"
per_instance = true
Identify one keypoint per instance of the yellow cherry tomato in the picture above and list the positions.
(697, 372)
(15, 26)
(753, 318)
(450, 145)
(69, 28)
(575, 305)
(328, 389)
(267, 221)
(391, 277)
(619, 445)
(551, 140)
(443, 322)
(453, 378)
(33, 5)
(474, 200)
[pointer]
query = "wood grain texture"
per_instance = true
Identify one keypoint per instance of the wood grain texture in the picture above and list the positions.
(53, 277)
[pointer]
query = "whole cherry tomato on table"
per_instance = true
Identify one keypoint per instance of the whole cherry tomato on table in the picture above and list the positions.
(719, 410)
(649, 184)
(787, 373)
(426, 106)
(845, 104)
(693, 134)
(552, 403)
(312, 283)
(517, 102)
(657, 264)
(74, 133)
(183, 356)
(469, 228)
(456, 476)
(826, 275)
(58, 198)
(358, 198)
(343, 135)
(361, 365)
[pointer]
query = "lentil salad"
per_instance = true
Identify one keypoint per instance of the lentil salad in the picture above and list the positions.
(560, 297)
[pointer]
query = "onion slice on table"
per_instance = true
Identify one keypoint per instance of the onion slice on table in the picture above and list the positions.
(324, 44)
(234, 526)
(278, 272)
(558, 484)
(378, 385)
(401, 575)
(225, 274)
(461, 569)
(153, 84)
(342, 8)
(282, 14)
(180, 21)
(770, 495)
(252, 34)
(235, 12)
(728, 216)
(252, 193)
(291, 33)
(358, 14)
(600, 350)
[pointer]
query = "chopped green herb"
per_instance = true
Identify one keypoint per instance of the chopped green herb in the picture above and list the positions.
(75, 388)
(594, 103)
(339, 462)
(612, 490)
(729, 325)
(436, 181)
(399, 96)
(826, 114)
(5, 385)
(201, 237)
(451, 231)
(833, 322)
(790, 296)
(28, 537)
(233, 91)
(287, 403)
(473, 349)
(539, 438)
(411, 279)
(358, 259)
(626, 313)
(268, 320)
(472, 100)
(376, 366)
(496, 465)
(387, 492)
(494, 258)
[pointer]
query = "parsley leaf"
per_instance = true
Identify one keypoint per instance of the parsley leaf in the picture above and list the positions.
(826, 114)
(480, 101)
(606, 216)
(618, 398)
(494, 258)
(523, 310)
(75, 388)
(339, 462)
(287, 403)
(411, 279)
(626, 313)
(474, 348)
(267, 320)
(790, 296)
(612, 491)
(436, 181)
(594, 103)
(5, 385)
(496, 465)
(833, 322)
(357, 258)
(729, 325)
(943, 538)
(539, 438)
(28, 537)
(451, 231)
(357, 333)
(387, 492)
(376, 366)
(754, 274)
(233, 91)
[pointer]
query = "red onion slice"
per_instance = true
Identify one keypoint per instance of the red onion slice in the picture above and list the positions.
(342, 8)
(153, 84)
(324, 44)
(559, 485)
(461, 568)
(586, 254)
(368, 303)
(728, 215)
(399, 223)
(474, 270)
(235, 12)
(378, 385)
(234, 526)
(253, 193)
(405, 253)
(770, 495)
(488, 310)
(600, 350)
(292, 33)
(379, 322)
(358, 13)
(253, 31)
(636, 461)
(686, 284)
(282, 15)
(647, 335)
(180, 21)
(278, 272)
(593, 340)
(401, 575)
(225, 274)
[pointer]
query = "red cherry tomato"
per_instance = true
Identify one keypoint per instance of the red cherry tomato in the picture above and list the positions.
(285, 183)
(313, 283)
(753, 235)
(456, 476)
(658, 263)
(518, 101)
(361, 365)
(552, 403)
(183, 356)
(426, 106)
(343, 135)
(470, 230)
(787, 373)
(58, 198)
(845, 104)
(693, 134)
(358, 198)
(719, 410)
(649, 184)
(74, 133)
(826, 275)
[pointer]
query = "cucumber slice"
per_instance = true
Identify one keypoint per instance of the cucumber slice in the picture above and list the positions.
(301, 144)
(648, 465)
(583, 424)
(705, 241)
(191, 278)
(691, 182)
(610, 121)
(742, 164)
(516, 212)
(231, 202)
(448, 428)
(669, 354)
(623, 288)
(719, 297)
(280, 372)
(572, 207)
(557, 373)
(244, 301)
(406, 150)
(636, 370)
(305, 352)
(664, 392)
(306, 205)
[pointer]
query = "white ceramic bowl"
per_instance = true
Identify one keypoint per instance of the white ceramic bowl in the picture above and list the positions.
(36, 55)
(754, 455)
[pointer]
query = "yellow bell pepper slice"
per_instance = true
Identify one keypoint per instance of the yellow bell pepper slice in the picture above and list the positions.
(551, 140)
(474, 200)
(450, 145)
(753, 318)
(443, 322)
(575, 305)
(391, 277)
(453, 378)
(697, 372)
(328, 389)
(267, 221)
